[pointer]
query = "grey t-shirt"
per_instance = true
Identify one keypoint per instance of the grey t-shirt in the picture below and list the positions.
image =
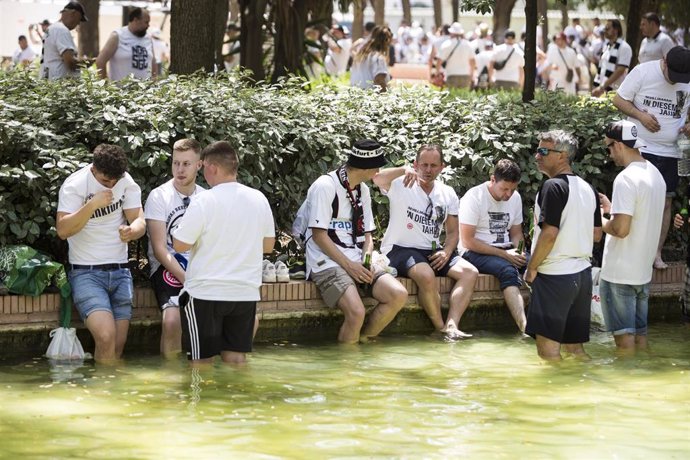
(58, 39)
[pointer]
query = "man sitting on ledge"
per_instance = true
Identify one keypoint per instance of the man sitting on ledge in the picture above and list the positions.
(99, 212)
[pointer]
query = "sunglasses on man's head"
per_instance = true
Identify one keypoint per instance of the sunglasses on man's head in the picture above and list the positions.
(544, 151)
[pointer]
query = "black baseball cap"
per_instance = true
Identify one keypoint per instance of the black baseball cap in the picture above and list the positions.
(678, 63)
(76, 6)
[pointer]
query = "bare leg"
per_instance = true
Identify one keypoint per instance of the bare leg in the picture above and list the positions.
(427, 292)
(516, 306)
(101, 325)
(641, 342)
(121, 329)
(352, 307)
(665, 224)
(171, 332)
(548, 349)
(233, 357)
(576, 349)
(256, 325)
(392, 297)
(465, 276)
(625, 343)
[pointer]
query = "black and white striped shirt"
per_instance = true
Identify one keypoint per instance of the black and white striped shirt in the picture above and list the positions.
(615, 54)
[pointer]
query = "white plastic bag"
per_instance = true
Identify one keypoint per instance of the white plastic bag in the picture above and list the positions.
(597, 315)
(64, 344)
(383, 263)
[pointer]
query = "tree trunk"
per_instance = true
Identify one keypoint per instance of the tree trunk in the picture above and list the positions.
(632, 25)
(220, 16)
(379, 12)
(531, 19)
(542, 7)
(407, 11)
(438, 13)
(357, 19)
(502, 12)
(290, 22)
(252, 38)
(455, 6)
(88, 31)
(564, 14)
(192, 30)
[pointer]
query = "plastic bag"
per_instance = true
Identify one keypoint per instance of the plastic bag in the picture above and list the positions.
(383, 263)
(597, 315)
(64, 344)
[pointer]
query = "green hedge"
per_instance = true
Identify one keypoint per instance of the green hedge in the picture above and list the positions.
(287, 135)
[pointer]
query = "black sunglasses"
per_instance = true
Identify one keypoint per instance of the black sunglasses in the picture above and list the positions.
(608, 146)
(544, 151)
(185, 201)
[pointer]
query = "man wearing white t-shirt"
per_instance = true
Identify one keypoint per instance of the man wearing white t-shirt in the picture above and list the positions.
(227, 229)
(656, 97)
(129, 50)
(421, 208)
(631, 222)
(491, 230)
(561, 63)
(165, 206)
(656, 44)
(506, 68)
(615, 59)
(456, 57)
(338, 50)
(59, 58)
(567, 224)
(24, 55)
(99, 212)
(339, 241)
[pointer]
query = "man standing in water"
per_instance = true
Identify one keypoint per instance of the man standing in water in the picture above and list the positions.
(568, 223)
(227, 229)
(631, 222)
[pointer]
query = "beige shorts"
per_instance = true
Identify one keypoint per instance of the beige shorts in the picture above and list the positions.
(458, 81)
(333, 282)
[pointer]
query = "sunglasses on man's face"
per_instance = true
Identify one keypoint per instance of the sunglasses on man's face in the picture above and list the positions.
(608, 146)
(544, 151)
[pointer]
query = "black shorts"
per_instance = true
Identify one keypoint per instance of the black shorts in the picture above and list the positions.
(668, 167)
(165, 285)
(560, 307)
(212, 326)
(402, 259)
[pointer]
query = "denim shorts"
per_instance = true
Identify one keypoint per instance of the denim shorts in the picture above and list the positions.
(625, 307)
(668, 167)
(102, 290)
(506, 272)
(403, 259)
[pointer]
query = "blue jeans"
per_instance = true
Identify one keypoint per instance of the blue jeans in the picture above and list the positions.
(506, 272)
(102, 290)
(625, 307)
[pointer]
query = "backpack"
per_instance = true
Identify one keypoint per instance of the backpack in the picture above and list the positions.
(301, 223)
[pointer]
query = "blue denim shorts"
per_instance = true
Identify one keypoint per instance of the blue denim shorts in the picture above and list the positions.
(403, 259)
(625, 307)
(101, 290)
(506, 272)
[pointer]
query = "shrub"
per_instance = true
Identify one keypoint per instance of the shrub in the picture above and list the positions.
(286, 135)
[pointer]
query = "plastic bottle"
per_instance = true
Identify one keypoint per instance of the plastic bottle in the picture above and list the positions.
(684, 161)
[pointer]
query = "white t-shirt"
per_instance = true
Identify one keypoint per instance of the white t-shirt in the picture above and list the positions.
(133, 56)
(21, 55)
(457, 63)
(646, 87)
(557, 77)
(655, 48)
(638, 191)
(615, 54)
(363, 72)
(99, 241)
(58, 39)
(493, 219)
(511, 71)
(226, 225)
(417, 219)
(160, 48)
(336, 63)
(165, 204)
(320, 197)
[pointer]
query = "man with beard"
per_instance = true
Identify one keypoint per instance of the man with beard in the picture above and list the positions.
(165, 207)
(129, 50)
(420, 208)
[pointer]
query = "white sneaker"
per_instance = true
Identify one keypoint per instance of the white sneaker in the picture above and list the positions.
(268, 273)
(282, 273)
